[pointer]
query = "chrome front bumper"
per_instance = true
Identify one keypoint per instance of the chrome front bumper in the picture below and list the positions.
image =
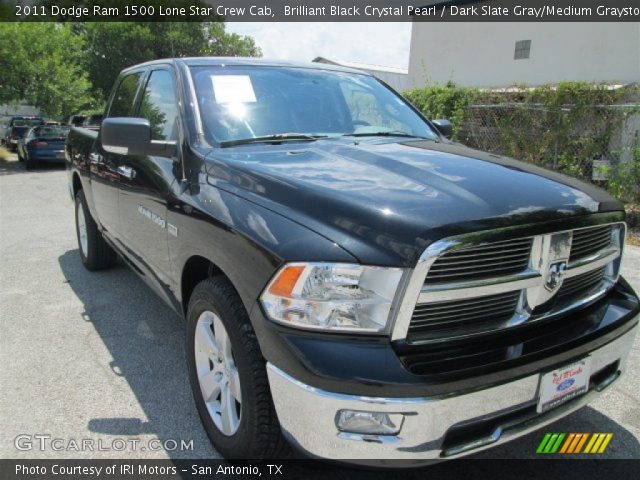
(307, 414)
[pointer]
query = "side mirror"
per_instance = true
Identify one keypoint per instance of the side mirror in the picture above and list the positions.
(132, 136)
(444, 126)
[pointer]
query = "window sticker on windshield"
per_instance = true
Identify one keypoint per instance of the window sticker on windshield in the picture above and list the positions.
(233, 89)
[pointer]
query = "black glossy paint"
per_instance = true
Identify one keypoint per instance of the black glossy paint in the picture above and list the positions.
(385, 201)
(374, 367)
(249, 209)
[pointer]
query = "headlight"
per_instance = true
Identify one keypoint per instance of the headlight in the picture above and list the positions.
(332, 296)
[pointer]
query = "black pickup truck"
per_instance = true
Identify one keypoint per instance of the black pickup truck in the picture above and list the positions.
(354, 284)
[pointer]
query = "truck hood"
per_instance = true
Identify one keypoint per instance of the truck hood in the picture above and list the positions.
(385, 201)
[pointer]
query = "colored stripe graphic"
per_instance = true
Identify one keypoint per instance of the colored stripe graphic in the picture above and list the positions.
(605, 443)
(550, 443)
(599, 443)
(573, 443)
(581, 443)
(567, 443)
(543, 443)
(593, 440)
(556, 446)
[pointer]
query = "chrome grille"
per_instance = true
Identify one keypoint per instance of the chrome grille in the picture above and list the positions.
(436, 319)
(588, 241)
(472, 286)
(581, 283)
(483, 261)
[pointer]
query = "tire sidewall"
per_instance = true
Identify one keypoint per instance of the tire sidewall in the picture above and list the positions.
(238, 444)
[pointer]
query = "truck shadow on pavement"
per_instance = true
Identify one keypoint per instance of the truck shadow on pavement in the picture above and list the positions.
(146, 341)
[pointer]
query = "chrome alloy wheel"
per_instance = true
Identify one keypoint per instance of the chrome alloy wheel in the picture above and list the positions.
(82, 229)
(217, 373)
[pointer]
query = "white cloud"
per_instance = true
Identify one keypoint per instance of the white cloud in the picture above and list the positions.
(381, 43)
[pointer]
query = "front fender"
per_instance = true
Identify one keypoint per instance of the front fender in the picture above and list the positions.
(247, 242)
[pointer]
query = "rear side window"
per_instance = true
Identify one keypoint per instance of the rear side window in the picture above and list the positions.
(122, 104)
(160, 107)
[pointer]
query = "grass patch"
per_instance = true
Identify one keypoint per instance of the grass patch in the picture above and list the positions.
(4, 154)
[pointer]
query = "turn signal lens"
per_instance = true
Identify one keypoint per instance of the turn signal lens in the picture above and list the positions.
(332, 296)
(286, 281)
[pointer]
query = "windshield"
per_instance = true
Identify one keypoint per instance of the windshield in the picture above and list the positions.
(51, 132)
(249, 102)
(21, 122)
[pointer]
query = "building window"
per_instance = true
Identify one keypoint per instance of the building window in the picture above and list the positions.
(523, 47)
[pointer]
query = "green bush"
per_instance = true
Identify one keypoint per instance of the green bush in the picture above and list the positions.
(565, 127)
(448, 101)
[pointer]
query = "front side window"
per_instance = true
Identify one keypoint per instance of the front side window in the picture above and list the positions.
(244, 102)
(122, 104)
(159, 106)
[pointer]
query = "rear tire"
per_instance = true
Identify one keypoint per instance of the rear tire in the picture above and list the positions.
(222, 355)
(95, 252)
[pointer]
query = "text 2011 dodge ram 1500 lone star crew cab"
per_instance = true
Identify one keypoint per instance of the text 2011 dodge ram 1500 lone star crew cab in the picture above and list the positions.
(353, 283)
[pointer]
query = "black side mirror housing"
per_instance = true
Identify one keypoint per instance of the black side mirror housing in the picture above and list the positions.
(132, 136)
(444, 126)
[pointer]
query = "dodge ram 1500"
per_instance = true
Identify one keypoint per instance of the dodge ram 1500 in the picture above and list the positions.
(354, 284)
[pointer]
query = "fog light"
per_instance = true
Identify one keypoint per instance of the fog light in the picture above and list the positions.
(369, 423)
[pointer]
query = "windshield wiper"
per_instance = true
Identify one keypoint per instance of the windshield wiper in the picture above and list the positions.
(275, 138)
(386, 133)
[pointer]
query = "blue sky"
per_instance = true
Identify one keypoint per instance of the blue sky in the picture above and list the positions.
(381, 43)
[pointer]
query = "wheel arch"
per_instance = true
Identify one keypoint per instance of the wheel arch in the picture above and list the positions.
(196, 269)
(76, 183)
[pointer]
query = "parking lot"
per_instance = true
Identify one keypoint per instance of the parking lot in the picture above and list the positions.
(97, 356)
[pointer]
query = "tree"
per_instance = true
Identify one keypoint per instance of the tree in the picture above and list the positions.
(112, 46)
(40, 63)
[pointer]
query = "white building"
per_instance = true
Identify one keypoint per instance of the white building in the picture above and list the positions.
(395, 77)
(491, 55)
(19, 109)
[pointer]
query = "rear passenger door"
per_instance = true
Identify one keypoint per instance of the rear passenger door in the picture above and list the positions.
(145, 180)
(105, 177)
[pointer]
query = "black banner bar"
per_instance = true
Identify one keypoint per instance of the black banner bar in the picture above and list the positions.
(321, 10)
(581, 469)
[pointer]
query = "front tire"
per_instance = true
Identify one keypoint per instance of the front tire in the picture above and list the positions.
(228, 375)
(95, 252)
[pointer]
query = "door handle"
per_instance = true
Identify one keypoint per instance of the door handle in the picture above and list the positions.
(127, 172)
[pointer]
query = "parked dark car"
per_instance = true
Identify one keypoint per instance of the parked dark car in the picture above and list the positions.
(352, 281)
(14, 135)
(92, 122)
(43, 144)
(76, 120)
(13, 129)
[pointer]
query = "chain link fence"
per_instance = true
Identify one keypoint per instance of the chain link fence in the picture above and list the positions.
(584, 141)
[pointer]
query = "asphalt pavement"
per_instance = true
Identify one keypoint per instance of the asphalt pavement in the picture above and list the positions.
(97, 356)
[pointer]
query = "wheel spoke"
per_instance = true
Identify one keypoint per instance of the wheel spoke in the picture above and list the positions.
(205, 340)
(210, 386)
(228, 414)
(234, 384)
(222, 341)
